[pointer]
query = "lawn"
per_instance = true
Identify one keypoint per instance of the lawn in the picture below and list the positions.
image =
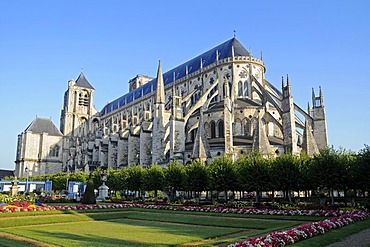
(146, 227)
(130, 227)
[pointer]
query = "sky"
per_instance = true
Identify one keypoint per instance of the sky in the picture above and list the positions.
(43, 44)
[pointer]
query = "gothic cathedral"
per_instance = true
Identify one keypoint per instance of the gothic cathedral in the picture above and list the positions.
(217, 103)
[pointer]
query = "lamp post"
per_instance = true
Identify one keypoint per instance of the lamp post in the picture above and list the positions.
(26, 170)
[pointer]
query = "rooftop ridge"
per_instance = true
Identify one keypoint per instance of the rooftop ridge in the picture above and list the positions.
(224, 50)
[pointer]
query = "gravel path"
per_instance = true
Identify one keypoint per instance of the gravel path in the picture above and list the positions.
(361, 239)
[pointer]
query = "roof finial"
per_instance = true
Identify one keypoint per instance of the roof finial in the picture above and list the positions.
(261, 56)
(234, 34)
(282, 82)
(287, 80)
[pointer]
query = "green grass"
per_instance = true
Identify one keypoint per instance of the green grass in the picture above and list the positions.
(335, 235)
(124, 232)
(146, 227)
(234, 215)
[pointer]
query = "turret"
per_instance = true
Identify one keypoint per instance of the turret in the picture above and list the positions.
(319, 120)
(158, 133)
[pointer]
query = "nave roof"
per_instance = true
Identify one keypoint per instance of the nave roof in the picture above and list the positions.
(223, 50)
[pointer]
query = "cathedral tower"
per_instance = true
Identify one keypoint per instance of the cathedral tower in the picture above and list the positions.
(78, 107)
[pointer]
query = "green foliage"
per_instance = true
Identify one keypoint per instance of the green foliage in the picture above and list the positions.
(285, 172)
(116, 179)
(174, 178)
(361, 170)
(222, 174)
(254, 174)
(135, 178)
(328, 170)
(89, 196)
(196, 177)
(154, 179)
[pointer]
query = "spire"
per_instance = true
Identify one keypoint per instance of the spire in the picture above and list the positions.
(287, 80)
(321, 97)
(282, 82)
(261, 56)
(313, 98)
(308, 108)
(159, 95)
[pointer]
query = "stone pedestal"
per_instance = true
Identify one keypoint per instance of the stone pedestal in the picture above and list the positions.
(14, 188)
(103, 192)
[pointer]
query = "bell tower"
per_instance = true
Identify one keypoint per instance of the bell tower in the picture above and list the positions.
(78, 107)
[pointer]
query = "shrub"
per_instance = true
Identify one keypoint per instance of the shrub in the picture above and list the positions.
(89, 196)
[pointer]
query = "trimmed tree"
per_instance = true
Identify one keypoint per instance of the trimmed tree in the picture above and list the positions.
(253, 174)
(154, 179)
(89, 196)
(174, 177)
(222, 175)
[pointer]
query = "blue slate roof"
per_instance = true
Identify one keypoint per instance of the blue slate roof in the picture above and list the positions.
(43, 125)
(224, 50)
(83, 82)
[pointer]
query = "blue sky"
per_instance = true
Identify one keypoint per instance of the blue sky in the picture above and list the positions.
(43, 44)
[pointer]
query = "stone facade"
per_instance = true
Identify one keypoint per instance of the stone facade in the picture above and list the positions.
(218, 102)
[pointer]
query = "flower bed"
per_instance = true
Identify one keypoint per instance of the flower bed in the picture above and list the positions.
(302, 232)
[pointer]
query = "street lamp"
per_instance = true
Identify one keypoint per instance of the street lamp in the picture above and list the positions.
(26, 170)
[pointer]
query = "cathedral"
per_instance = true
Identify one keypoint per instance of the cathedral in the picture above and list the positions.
(216, 103)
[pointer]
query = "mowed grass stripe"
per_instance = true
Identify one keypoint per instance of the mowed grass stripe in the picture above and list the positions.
(235, 215)
(208, 221)
(124, 232)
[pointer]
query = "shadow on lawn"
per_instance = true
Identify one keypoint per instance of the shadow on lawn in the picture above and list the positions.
(88, 240)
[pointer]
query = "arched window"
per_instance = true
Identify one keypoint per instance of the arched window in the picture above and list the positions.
(240, 89)
(221, 129)
(213, 129)
(193, 134)
(237, 127)
(246, 93)
(54, 151)
(246, 128)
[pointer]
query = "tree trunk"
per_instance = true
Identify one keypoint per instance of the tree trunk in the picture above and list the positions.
(289, 196)
(257, 196)
(332, 196)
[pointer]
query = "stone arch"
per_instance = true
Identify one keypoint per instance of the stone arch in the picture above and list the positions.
(246, 89)
(221, 132)
(237, 128)
(246, 127)
(240, 89)
(213, 129)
